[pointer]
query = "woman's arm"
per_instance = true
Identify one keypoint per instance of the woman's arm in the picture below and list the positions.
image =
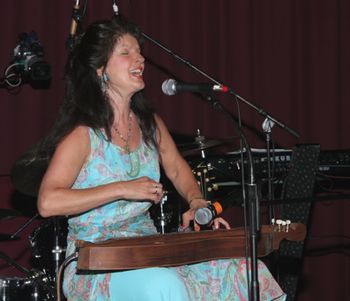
(177, 169)
(56, 196)
(180, 174)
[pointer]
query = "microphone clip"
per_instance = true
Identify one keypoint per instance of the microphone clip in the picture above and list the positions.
(76, 14)
(76, 19)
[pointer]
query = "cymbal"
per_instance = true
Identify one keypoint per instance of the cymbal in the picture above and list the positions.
(202, 143)
(190, 148)
(28, 171)
(8, 213)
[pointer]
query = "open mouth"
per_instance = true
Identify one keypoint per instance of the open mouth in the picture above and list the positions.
(137, 72)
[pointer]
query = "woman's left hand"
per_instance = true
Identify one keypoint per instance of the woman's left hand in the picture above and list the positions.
(218, 222)
(188, 216)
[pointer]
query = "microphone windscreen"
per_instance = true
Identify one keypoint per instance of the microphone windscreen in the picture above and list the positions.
(168, 87)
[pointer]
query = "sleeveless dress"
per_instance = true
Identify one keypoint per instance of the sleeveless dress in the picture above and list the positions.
(215, 280)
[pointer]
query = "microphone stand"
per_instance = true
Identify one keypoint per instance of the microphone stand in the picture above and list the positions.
(252, 188)
(252, 207)
(191, 66)
(267, 126)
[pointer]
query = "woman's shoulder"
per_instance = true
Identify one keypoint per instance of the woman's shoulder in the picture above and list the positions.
(75, 142)
(77, 138)
(80, 132)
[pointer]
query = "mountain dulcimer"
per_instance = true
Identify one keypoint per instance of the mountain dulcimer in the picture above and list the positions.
(172, 249)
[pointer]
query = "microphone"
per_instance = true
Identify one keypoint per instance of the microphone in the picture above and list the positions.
(204, 216)
(172, 87)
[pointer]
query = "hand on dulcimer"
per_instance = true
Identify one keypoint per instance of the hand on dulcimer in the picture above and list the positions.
(172, 249)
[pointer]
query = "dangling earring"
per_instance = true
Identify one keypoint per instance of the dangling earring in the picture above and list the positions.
(105, 77)
(103, 81)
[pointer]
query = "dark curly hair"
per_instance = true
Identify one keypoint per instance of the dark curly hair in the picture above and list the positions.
(85, 103)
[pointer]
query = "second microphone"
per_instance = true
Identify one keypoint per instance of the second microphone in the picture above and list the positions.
(205, 216)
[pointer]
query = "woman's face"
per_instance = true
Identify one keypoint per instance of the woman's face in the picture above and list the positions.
(125, 66)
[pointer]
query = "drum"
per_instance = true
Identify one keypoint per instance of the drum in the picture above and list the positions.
(20, 289)
(48, 243)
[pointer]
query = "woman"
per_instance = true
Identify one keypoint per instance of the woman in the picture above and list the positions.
(104, 174)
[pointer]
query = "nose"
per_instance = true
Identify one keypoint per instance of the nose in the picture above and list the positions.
(140, 58)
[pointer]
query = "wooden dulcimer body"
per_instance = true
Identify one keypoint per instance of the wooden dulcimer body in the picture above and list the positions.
(173, 249)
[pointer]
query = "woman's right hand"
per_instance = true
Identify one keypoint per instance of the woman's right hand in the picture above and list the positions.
(143, 188)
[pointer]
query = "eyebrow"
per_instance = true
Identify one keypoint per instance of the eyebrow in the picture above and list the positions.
(128, 46)
(122, 43)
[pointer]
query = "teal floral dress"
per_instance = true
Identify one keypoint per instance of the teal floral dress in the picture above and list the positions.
(206, 281)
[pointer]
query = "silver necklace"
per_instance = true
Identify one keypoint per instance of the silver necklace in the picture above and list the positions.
(133, 158)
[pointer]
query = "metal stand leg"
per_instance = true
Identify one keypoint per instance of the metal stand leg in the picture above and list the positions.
(57, 250)
(162, 215)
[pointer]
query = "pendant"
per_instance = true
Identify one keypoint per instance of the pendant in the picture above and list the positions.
(134, 164)
(126, 149)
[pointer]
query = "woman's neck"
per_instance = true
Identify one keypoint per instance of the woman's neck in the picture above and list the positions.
(121, 108)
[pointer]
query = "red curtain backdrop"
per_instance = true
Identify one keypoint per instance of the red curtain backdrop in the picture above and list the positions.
(290, 58)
